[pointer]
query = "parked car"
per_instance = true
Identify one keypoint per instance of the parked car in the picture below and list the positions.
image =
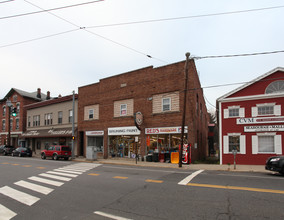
(56, 152)
(6, 149)
(275, 163)
(22, 152)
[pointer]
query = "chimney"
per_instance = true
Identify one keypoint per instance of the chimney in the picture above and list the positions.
(38, 95)
(47, 95)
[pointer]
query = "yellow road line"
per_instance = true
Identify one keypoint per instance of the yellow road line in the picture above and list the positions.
(15, 164)
(154, 181)
(120, 177)
(26, 165)
(237, 188)
(5, 163)
(94, 174)
(40, 167)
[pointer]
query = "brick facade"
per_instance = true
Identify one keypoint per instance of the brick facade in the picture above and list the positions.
(141, 90)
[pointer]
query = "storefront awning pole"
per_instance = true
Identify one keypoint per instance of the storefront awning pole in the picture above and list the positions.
(184, 108)
(73, 121)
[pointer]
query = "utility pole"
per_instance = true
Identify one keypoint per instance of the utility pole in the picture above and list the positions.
(184, 107)
(73, 125)
(9, 104)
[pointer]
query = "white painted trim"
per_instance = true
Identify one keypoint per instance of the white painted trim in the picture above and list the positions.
(220, 133)
(252, 97)
(278, 144)
(242, 144)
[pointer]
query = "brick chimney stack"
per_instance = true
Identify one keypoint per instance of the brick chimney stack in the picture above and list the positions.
(38, 95)
(48, 95)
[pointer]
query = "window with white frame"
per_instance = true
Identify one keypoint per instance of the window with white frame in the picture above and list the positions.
(234, 141)
(234, 112)
(266, 109)
(48, 119)
(266, 143)
(123, 109)
(36, 121)
(3, 125)
(60, 117)
(91, 113)
(166, 104)
(4, 110)
(70, 116)
(29, 121)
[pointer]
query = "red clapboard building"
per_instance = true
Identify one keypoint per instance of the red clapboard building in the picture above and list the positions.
(251, 120)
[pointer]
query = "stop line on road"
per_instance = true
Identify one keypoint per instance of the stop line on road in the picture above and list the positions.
(54, 178)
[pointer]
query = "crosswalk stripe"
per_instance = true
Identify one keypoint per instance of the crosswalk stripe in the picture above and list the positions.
(62, 174)
(55, 177)
(5, 213)
(37, 188)
(74, 169)
(42, 180)
(18, 195)
(67, 171)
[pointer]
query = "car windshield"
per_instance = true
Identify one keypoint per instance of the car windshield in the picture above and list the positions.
(65, 148)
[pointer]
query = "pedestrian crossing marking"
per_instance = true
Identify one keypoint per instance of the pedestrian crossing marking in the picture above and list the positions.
(62, 174)
(55, 177)
(37, 188)
(42, 180)
(18, 195)
(67, 171)
(5, 213)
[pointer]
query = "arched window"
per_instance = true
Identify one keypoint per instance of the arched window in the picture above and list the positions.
(4, 110)
(275, 87)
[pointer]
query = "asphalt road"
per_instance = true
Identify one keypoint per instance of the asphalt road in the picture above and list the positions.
(35, 189)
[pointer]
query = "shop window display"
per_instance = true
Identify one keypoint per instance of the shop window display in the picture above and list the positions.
(164, 143)
(123, 146)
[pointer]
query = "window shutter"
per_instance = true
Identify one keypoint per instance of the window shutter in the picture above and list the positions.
(226, 113)
(242, 112)
(253, 111)
(278, 144)
(226, 144)
(277, 110)
(242, 144)
(254, 143)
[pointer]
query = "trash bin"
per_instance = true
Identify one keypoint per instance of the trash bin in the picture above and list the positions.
(149, 158)
(156, 157)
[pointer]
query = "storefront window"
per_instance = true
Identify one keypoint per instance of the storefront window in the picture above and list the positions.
(123, 146)
(97, 143)
(164, 143)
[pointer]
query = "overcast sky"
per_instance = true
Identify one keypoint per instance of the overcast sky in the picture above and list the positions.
(101, 48)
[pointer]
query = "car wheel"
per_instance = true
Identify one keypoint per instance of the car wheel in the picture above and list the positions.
(282, 171)
(55, 156)
(4, 153)
(43, 156)
(66, 158)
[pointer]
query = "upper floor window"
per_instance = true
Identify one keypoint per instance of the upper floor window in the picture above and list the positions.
(17, 123)
(60, 116)
(15, 98)
(123, 109)
(91, 113)
(234, 111)
(36, 121)
(166, 104)
(29, 121)
(266, 109)
(48, 119)
(70, 117)
(3, 125)
(275, 87)
(11, 124)
(4, 110)
(18, 107)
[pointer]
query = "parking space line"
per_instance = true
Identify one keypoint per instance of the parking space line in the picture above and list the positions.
(5, 213)
(237, 188)
(154, 181)
(190, 177)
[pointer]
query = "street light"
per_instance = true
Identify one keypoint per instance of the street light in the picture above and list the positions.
(9, 104)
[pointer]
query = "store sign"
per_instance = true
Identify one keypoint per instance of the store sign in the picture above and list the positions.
(94, 133)
(166, 130)
(59, 132)
(264, 128)
(124, 131)
(31, 133)
(260, 120)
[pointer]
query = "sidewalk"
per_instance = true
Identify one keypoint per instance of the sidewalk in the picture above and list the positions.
(132, 162)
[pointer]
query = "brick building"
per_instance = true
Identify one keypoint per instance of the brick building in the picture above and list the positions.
(49, 123)
(251, 120)
(17, 99)
(106, 109)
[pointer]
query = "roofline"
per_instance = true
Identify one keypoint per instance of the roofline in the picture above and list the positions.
(50, 102)
(250, 83)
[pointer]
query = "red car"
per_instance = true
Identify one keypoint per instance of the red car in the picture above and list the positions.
(56, 152)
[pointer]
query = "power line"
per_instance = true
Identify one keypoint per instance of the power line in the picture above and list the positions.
(6, 1)
(186, 17)
(239, 55)
(47, 10)
(98, 35)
